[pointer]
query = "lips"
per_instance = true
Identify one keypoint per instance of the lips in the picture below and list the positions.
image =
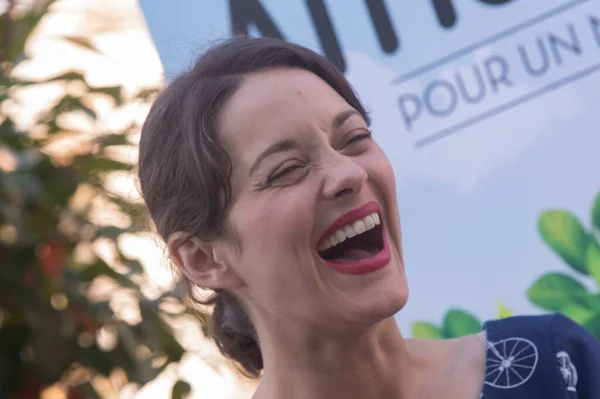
(350, 217)
(373, 243)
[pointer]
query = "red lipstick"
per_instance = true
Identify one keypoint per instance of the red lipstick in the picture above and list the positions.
(377, 261)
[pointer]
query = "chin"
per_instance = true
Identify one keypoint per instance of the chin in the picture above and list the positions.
(387, 306)
(381, 303)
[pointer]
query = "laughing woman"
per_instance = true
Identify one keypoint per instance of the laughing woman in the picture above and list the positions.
(261, 174)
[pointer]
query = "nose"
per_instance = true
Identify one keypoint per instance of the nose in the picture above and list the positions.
(344, 178)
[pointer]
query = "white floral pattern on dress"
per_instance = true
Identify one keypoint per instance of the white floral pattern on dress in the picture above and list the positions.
(568, 370)
(510, 362)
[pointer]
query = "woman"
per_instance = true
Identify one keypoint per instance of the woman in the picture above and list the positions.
(261, 174)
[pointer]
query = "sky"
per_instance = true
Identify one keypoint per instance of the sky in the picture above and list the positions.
(469, 202)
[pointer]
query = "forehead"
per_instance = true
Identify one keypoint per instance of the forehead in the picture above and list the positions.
(274, 104)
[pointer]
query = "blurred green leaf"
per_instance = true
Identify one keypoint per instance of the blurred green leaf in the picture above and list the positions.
(203, 317)
(134, 265)
(458, 323)
(20, 30)
(566, 236)
(22, 186)
(553, 291)
(160, 337)
(147, 93)
(593, 325)
(132, 340)
(587, 299)
(68, 76)
(89, 165)
(114, 92)
(113, 139)
(51, 126)
(112, 232)
(181, 390)
(596, 212)
(582, 307)
(593, 261)
(82, 42)
(87, 390)
(100, 268)
(578, 311)
(137, 211)
(424, 330)
(59, 182)
(70, 103)
(13, 139)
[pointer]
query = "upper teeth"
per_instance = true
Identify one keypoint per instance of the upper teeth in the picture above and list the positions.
(350, 230)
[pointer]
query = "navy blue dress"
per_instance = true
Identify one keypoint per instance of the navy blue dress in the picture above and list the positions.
(546, 357)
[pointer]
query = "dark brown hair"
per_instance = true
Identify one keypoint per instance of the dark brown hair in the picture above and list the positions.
(184, 172)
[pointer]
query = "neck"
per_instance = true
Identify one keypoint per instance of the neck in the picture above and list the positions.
(373, 363)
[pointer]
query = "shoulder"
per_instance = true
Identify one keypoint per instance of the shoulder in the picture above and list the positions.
(558, 347)
(566, 332)
(555, 330)
(531, 330)
(526, 324)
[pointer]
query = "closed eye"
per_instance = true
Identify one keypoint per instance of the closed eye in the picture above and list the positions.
(359, 137)
(285, 171)
(357, 143)
(291, 172)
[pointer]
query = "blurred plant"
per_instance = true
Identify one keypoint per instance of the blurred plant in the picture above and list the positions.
(58, 320)
(579, 248)
(457, 323)
(555, 292)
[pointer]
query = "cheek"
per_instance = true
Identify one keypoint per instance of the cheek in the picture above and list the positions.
(274, 233)
(273, 225)
(381, 171)
(381, 174)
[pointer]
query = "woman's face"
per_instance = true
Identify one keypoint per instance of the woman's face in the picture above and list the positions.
(306, 169)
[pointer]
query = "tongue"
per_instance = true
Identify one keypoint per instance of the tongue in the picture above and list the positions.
(351, 255)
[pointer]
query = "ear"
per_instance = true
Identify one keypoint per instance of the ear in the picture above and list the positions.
(199, 262)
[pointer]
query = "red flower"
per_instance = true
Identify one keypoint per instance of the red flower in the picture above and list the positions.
(52, 256)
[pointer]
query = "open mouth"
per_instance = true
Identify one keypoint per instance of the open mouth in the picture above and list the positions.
(354, 242)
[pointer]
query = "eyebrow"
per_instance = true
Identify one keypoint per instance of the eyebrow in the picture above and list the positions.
(342, 117)
(287, 144)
